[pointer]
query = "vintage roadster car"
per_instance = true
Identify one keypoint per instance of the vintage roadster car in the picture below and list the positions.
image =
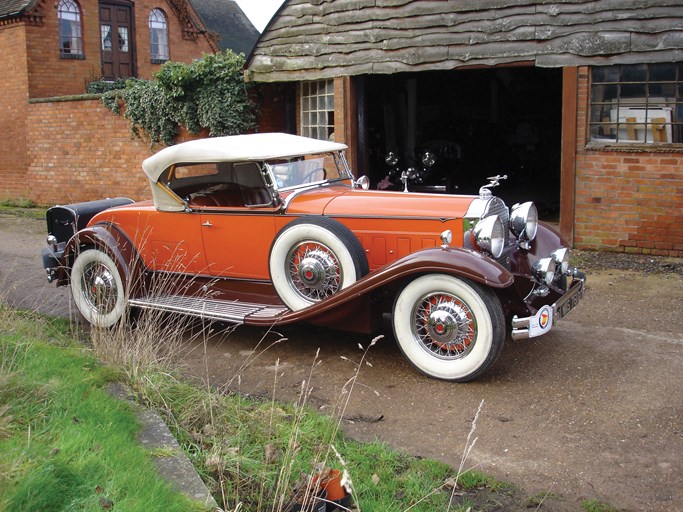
(267, 229)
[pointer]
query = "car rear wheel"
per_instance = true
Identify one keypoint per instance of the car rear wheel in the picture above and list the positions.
(449, 328)
(313, 258)
(97, 288)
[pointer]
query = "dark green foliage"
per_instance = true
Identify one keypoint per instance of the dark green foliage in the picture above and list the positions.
(210, 93)
(101, 86)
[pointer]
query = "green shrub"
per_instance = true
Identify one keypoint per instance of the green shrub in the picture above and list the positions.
(101, 85)
(210, 93)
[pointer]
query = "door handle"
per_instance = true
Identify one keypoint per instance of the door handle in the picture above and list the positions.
(207, 224)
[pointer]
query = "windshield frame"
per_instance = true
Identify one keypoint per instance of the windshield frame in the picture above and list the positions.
(338, 160)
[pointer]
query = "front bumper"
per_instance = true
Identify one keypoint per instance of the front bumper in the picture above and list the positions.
(51, 262)
(545, 318)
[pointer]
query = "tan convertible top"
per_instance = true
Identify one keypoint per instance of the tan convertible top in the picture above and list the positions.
(255, 147)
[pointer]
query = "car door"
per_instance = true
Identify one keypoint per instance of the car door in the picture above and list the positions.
(237, 242)
(172, 242)
(237, 238)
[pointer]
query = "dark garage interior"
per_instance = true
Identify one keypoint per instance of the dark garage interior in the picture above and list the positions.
(450, 130)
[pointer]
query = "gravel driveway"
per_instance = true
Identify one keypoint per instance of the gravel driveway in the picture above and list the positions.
(593, 410)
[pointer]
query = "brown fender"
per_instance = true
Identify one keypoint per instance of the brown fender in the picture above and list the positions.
(110, 239)
(452, 261)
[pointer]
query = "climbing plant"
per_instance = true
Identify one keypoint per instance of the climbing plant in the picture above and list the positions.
(210, 93)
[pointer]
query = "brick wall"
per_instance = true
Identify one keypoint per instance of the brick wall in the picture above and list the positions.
(50, 75)
(627, 200)
(13, 97)
(80, 151)
(180, 50)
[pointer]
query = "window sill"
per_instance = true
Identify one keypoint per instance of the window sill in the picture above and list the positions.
(72, 56)
(635, 147)
(158, 61)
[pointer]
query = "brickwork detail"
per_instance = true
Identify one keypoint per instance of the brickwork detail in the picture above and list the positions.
(37, 144)
(627, 201)
(50, 75)
(80, 151)
(14, 87)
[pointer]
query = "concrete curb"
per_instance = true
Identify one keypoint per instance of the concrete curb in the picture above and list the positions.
(175, 468)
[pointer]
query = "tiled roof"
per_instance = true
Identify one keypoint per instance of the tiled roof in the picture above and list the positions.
(13, 7)
(226, 19)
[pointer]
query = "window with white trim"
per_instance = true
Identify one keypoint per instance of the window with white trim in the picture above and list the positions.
(70, 35)
(158, 36)
(317, 109)
(637, 103)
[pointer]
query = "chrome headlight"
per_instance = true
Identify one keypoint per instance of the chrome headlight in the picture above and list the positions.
(561, 257)
(544, 270)
(489, 235)
(524, 222)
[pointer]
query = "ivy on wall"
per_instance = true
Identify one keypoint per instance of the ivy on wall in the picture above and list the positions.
(210, 93)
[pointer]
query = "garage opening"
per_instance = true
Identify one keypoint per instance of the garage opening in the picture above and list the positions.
(448, 131)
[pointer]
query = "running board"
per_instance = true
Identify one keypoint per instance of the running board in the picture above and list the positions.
(211, 309)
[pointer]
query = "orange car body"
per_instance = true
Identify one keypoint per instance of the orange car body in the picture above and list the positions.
(272, 228)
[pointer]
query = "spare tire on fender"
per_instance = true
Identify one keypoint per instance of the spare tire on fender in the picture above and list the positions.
(312, 258)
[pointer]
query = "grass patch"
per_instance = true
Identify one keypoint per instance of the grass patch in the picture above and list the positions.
(22, 208)
(262, 454)
(597, 506)
(65, 444)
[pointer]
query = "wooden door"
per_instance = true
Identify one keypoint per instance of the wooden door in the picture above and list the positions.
(117, 40)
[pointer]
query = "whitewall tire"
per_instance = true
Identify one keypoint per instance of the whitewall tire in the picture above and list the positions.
(312, 258)
(97, 288)
(449, 328)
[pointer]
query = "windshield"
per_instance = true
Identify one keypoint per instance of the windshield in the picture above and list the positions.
(301, 171)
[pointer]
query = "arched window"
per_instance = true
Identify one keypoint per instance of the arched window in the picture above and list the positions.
(158, 36)
(70, 38)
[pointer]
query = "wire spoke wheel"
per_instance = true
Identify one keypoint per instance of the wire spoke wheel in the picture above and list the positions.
(312, 258)
(444, 325)
(314, 271)
(448, 327)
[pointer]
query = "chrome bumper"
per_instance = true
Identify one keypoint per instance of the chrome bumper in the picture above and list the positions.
(544, 320)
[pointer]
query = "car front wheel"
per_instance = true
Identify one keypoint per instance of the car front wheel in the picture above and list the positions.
(313, 258)
(449, 328)
(97, 288)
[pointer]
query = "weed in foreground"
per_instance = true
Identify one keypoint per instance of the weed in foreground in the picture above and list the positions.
(594, 505)
(67, 444)
(265, 455)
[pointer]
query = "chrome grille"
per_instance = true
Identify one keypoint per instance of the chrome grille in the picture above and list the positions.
(496, 206)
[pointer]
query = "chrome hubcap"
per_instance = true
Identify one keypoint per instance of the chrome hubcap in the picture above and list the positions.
(99, 288)
(314, 271)
(444, 326)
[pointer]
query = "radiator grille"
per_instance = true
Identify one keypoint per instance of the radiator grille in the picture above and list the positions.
(496, 206)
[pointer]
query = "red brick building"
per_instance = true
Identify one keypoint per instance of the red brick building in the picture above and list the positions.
(580, 103)
(53, 48)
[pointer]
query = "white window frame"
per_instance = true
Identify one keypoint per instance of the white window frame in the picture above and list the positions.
(636, 104)
(70, 31)
(317, 109)
(158, 36)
